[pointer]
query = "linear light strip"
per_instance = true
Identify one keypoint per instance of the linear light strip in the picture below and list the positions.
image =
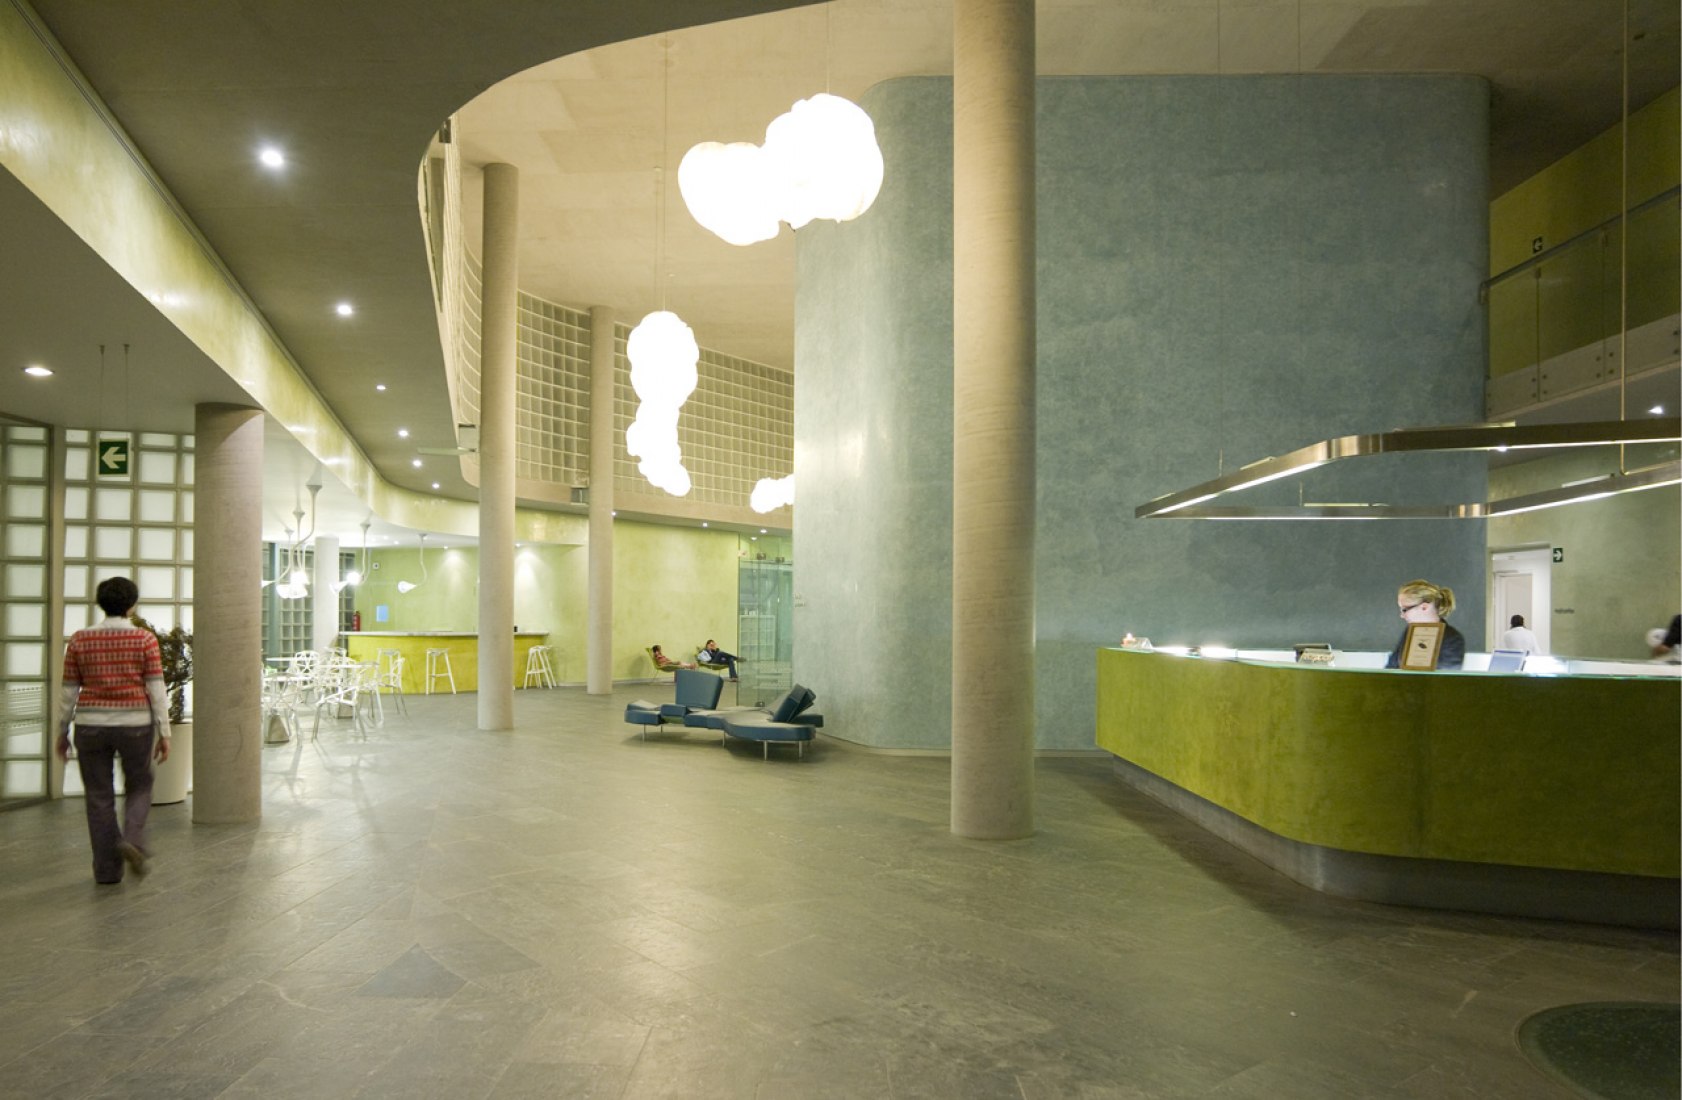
(1189, 503)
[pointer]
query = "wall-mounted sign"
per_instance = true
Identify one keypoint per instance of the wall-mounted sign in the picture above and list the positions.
(1559, 553)
(111, 458)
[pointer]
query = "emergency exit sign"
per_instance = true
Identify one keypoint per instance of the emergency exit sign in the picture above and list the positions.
(111, 458)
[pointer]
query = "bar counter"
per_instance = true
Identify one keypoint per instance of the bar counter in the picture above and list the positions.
(463, 647)
(1549, 796)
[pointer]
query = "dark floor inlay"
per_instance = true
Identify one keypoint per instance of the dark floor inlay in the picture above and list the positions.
(415, 974)
(1614, 1050)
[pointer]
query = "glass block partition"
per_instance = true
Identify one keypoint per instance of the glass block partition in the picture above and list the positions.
(737, 427)
(138, 524)
(24, 600)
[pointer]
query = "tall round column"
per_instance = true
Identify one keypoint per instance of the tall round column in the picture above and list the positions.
(993, 419)
(324, 612)
(227, 614)
(599, 674)
(500, 289)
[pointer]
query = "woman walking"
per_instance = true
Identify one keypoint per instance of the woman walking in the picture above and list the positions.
(114, 693)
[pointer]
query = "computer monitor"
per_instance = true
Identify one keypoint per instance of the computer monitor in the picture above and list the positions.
(1506, 660)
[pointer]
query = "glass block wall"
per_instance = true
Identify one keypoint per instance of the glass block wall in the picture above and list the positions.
(138, 524)
(737, 427)
(24, 671)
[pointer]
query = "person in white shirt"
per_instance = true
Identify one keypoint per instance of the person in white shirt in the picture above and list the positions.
(1519, 636)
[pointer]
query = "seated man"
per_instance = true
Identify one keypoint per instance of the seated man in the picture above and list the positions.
(712, 655)
(665, 663)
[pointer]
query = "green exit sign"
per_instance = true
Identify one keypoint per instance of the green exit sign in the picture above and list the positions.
(111, 458)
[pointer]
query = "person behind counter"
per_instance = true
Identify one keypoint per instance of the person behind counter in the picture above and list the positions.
(1424, 602)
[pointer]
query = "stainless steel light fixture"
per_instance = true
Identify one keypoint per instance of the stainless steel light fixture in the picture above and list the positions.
(1193, 503)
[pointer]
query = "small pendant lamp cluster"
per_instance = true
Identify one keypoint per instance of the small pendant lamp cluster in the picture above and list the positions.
(820, 160)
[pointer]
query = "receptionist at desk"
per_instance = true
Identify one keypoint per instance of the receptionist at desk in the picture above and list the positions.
(1424, 602)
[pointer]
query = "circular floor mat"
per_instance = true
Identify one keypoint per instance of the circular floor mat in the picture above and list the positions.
(1612, 1050)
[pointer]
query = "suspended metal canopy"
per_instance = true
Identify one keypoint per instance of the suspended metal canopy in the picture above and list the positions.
(1193, 503)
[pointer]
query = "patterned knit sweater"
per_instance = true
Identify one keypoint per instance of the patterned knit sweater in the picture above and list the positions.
(113, 676)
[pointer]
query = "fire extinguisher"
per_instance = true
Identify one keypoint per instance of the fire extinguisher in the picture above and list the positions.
(356, 622)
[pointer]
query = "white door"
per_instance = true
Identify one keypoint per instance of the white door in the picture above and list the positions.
(1521, 583)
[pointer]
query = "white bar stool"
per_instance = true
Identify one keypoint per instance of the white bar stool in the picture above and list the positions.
(538, 667)
(438, 668)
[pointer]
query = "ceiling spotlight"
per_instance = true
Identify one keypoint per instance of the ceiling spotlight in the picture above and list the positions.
(344, 309)
(402, 433)
(272, 157)
(380, 386)
(1657, 410)
(416, 463)
(762, 530)
(35, 370)
(435, 485)
(704, 523)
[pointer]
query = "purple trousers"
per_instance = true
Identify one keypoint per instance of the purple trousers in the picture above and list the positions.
(96, 748)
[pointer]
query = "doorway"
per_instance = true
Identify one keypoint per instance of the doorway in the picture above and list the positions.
(1521, 583)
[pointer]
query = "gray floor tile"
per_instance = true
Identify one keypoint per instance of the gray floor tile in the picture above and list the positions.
(566, 910)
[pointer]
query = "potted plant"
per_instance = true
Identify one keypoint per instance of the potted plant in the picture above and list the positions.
(175, 651)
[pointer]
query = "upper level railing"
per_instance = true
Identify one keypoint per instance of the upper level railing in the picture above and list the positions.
(1554, 320)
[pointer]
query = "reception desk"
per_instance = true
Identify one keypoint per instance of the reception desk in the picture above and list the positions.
(1546, 796)
(463, 648)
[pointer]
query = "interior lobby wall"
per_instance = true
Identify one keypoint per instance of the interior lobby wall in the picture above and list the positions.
(1228, 269)
(673, 585)
(1621, 571)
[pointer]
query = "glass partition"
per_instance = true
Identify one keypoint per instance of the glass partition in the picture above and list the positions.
(25, 493)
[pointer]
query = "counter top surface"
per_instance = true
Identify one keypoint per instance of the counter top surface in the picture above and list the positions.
(434, 633)
(1476, 664)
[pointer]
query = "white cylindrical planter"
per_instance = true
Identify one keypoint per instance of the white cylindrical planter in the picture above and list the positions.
(174, 776)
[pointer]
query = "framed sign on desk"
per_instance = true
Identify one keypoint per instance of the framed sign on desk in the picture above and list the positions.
(1421, 646)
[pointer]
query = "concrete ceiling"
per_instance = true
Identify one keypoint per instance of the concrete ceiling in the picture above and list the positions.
(354, 90)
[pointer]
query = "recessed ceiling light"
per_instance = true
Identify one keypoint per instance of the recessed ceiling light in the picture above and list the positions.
(435, 485)
(416, 463)
(402, 433)
(704, 523)
(344, 309)
(380, 386)
(271, 157)
(762, 530)
(35, 370)
(1657, 410)
(753, 538)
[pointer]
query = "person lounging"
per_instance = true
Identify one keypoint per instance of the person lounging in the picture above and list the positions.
(712, 655)
(665, 663)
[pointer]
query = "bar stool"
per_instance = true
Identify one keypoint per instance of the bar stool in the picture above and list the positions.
(438, 668)
(390, 678)
(538, 667)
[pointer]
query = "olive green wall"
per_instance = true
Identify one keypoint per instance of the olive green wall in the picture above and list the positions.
(672, 585)
(1572, 299)
(1622, 570)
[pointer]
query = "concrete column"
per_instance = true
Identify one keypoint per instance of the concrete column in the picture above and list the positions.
(993, 419)
(496, 446)
(227, 614)
(599, 673)
(324, 609)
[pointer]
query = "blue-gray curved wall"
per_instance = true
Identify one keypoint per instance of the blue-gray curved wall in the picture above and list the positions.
(1229, 268)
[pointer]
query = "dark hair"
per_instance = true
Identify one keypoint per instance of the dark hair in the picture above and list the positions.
(656, 645)
(117, 595)
(1518, 620)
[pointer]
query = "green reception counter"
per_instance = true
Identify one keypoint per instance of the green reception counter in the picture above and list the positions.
(1549, 796)
(462, 646)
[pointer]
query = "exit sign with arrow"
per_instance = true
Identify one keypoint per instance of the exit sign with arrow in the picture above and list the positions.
(112, 458)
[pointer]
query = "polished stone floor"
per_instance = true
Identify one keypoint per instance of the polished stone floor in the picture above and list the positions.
(567, 910)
